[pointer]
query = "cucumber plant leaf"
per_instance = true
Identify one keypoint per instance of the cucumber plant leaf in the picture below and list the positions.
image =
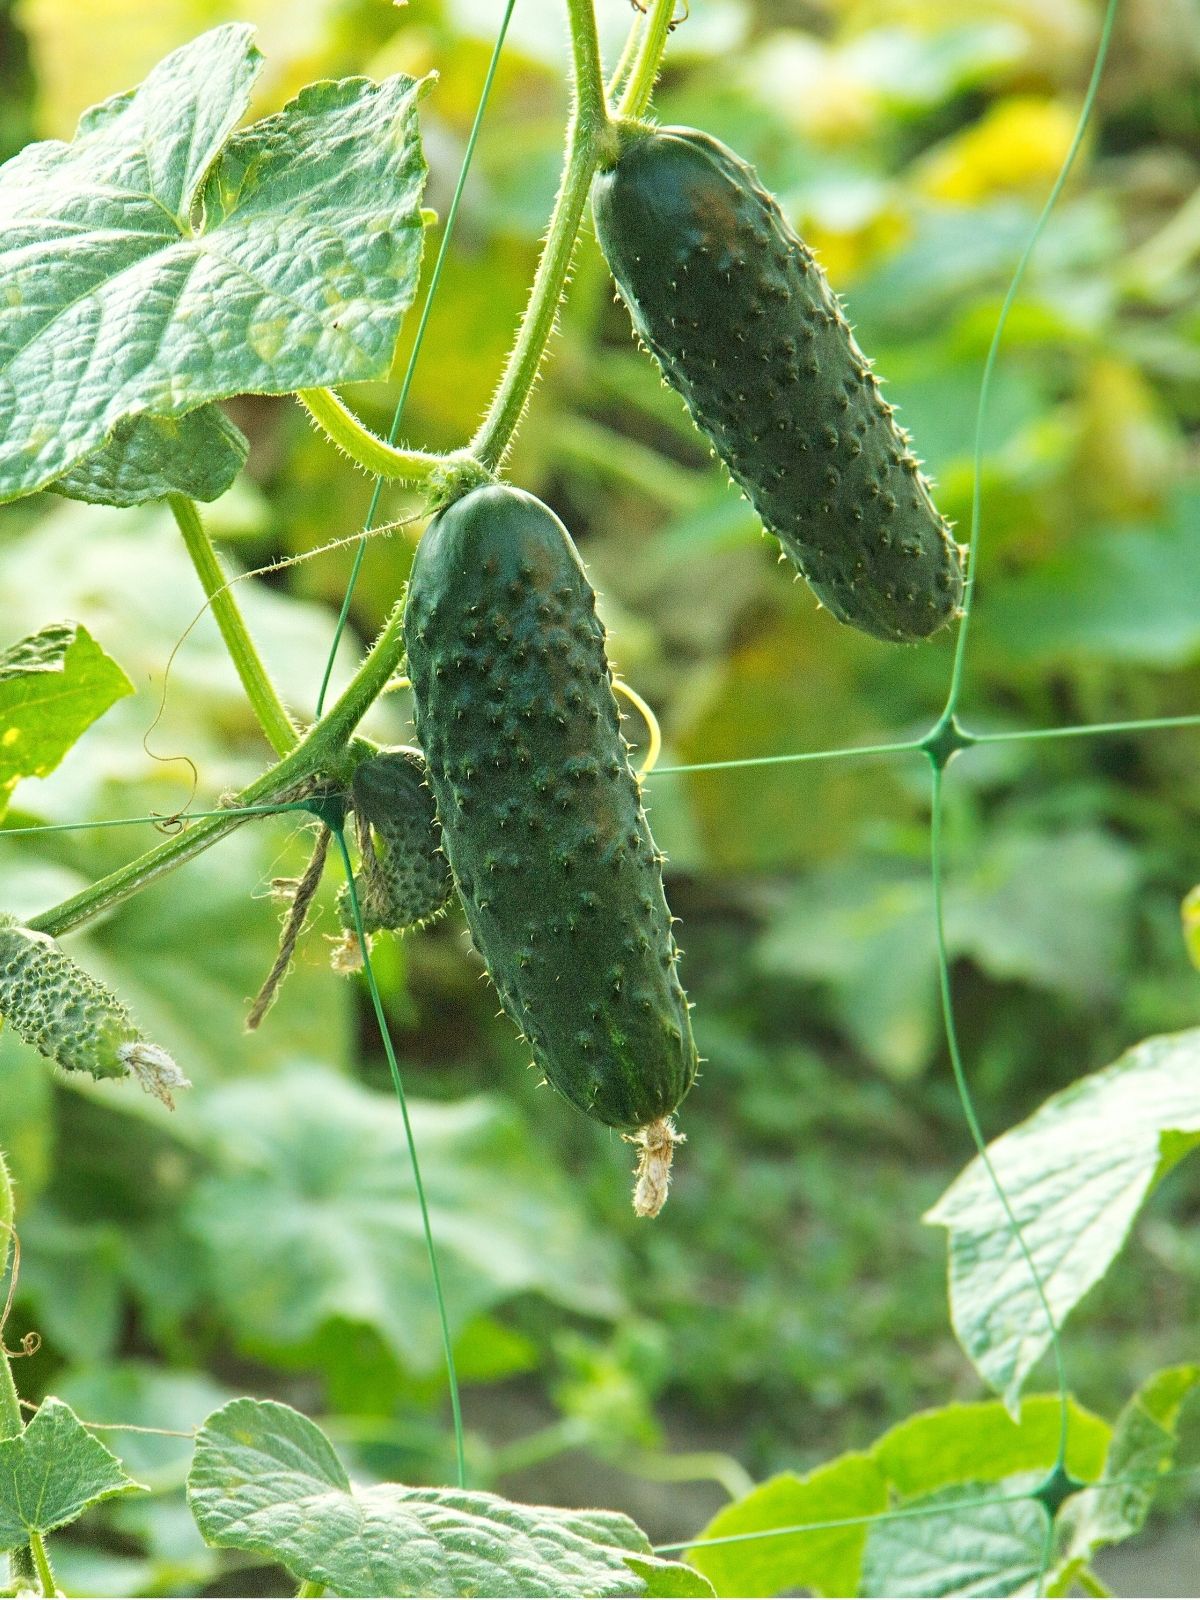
(323, 1166)
(161, 261)
(968, 1540)
(1143, 1447)
(1076, 1174)
(145, 458)
(51, 1473)
(927, 1453)
(53, 686)
(266, 1479)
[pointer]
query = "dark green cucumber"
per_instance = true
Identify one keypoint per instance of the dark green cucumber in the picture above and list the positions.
(405, 880)
(744, 325)
(71, 1018)
(541, 815)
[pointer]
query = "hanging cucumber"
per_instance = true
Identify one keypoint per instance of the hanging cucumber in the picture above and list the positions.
(69, 1017)
(744, 325)
(541, 816)
(405, 881)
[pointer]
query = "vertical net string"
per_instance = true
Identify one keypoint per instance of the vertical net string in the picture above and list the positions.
(418, 341)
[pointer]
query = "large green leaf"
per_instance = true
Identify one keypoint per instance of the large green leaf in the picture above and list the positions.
(267, 1479)
(1076, 1174)
(53, 686)
(157, 263)
(199, 454)
(929, 1453)
(322, 1165)
(51, 1473)
(961, 1541)
(1143, 1448)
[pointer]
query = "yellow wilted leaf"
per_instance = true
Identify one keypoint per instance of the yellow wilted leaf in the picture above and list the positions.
(1018, 145)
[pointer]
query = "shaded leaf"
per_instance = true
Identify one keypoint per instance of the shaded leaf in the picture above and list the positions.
(157, 263)
(51, 1473)
(199, 454)
(266, 1479)
(323, 1167)
(1076, 1174)
(53, 686)
(959, 1542)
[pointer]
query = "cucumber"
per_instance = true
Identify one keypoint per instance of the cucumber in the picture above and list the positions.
(744, 325)
(405, 881)
(67, 1016)
(541, 815)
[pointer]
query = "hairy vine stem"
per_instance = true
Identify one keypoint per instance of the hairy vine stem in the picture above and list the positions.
(321, 750)
(264, 697)
(334, 417)
(589, 134)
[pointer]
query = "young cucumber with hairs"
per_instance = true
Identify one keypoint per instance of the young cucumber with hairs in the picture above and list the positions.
(68, 1016)
(542, 818)
(404, 881)
(744, 325)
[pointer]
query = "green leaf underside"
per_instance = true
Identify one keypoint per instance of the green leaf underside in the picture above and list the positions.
(267, 1479)
(53, 686)
(51, 1473)
(1076, 1174)
(161, 261)
(927, 1453)
(146, 458)
(1143, 1448)
(962, 1547)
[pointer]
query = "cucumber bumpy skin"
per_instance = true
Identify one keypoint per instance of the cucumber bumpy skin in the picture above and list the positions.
(542, 818)
(72, 1019)
(409, 883)
(743, 323)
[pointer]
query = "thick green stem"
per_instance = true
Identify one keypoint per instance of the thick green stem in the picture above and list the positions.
(336, 419)
(41, 1562)
(268, 707)
(589, 135)
(319, 751)
(638, 91)
(20, 1560)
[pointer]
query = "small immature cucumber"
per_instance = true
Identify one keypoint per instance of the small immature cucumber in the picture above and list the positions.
(72, 1019)
(405, 881)
(745, 326)
(541, 815)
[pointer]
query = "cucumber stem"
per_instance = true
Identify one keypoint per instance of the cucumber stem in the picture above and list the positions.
(264, 697)
(321, 750)
(588, 135)
(334, 417)
(638, 91)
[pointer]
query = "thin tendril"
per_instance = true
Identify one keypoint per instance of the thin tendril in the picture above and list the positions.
(985, 386)
(423, 1204)
(418, 341)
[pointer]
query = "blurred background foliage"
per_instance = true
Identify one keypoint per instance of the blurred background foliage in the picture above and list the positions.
(788, 1304)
